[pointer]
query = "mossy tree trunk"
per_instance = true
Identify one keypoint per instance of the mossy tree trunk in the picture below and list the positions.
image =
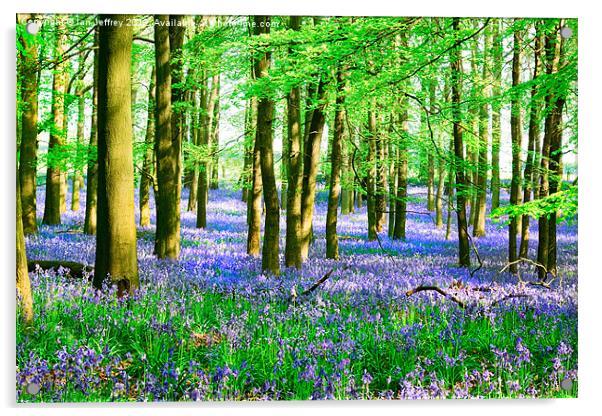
(292, 249)
(116, 235)
(265, 115)
(29, 128)
(332, 241)
(311, 161)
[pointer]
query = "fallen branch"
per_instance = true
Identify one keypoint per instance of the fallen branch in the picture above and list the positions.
(321, 281)
(75, 269)
(438, 290)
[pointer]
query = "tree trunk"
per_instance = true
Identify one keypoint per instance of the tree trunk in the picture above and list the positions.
(214, 183)
(52, 206)
(555, 101)
(439, 196)
(381, 181)
(203, 179)
(265, 115)
(456, 80)
(90, 220)
(533, 139)
(399, 232)
(430, 197)
(371, 174)
(496, 130)
(116, 237)
(332, 241)
(292, 250)
(24, 296)
(167, 138)
(310, 169)
(254, 204)
(480, 206)
(81, 107)
(147, 174)
(29, 130)
(515, 133)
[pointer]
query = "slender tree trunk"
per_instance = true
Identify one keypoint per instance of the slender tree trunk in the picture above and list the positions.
(381, 181)
(332, 241)
(284, 162)
(456, 66)
(515, 133)
(29, 130)
(292, 250)
(194, 139)
(116, 237)
(147, 175)
(52, 206)
(399, 232)
(533, 139)
(310, 169)
(214, 183)
(203, 179)
(81, 107)
(555, 101)
(168, 42)
(393, 153)
(450, 199)
(439, 195)
(265, 115)
(254, 203)
(496, 130)
(481, 192)
(430, 204)
(90, 220)
(371, 175)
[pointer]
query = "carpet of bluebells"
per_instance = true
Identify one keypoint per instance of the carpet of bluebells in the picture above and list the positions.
(211, 326)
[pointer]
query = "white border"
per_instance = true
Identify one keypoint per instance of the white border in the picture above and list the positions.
(590, 370)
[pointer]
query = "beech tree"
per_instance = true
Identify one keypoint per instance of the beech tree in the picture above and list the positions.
(116, 255)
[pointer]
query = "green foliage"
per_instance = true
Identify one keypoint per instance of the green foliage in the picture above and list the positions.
(564, 203)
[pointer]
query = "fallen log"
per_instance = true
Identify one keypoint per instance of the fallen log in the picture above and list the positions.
(75, 269)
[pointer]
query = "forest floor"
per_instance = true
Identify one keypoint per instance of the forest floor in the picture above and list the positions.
(211, 326)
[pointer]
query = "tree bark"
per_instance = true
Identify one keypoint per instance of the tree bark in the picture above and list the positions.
(29, 129)
(24, 296)
(381, 181)
(214, 183)
(52, 206)
(533, 139)
(456, 81)
(116, 237)
(265, 115)
(516, 136)
(555, 101)
(310, 168)
(90, 220)
(399, 232)
(81, 107)
(292, 249)
(332, 241)
(371, 174)
(147, 174)
(167, 140)
(480, 206)
(496, 131)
